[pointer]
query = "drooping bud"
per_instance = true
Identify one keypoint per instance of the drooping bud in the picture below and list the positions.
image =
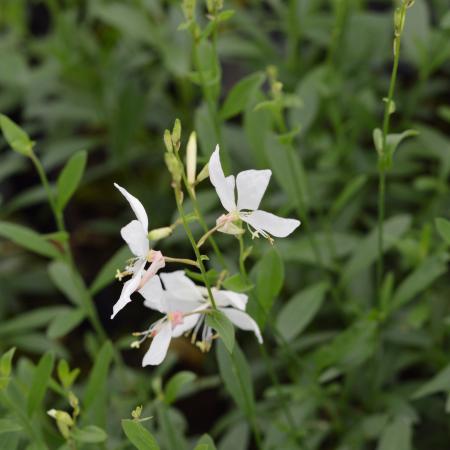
(159, 233)
(63, 420)
(191, 158)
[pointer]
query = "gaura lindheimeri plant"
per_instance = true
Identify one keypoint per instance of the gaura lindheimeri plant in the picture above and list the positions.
(135, 234)
(185, 306)
(250, 186)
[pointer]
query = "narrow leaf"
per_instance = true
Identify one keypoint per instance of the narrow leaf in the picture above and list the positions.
(139, 436)
(175, 385)
(15, 136)
(219, 322)
(28, 239)
(69, 178)
(39, 383)
(439, 383)
(64, 322)
(443, 227)
(89, 435)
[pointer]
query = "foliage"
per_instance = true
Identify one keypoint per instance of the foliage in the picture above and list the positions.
(353, 306)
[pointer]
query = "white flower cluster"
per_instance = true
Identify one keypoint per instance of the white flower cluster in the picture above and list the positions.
(184, 304)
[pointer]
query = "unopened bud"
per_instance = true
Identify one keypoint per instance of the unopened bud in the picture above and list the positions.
(189, 9)
(214, 6)
(168, 141)
(61, 416)
(203, 175)
(136, 413)
(159, 233)
(176, 134)
(191, 157)
(174, 167)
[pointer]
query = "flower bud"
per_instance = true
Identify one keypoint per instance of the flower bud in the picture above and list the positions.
(203, 175)
(191, 158)
(174, 167)
(159, 233)
(61, 416)
(168, 141)
(188, 9)
(176, 134)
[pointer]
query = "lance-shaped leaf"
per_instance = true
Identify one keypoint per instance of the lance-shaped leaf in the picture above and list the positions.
(17, 138)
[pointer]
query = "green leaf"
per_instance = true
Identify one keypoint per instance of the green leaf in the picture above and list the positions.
(16, 137)
(235, 373)
(6, 362)
(108, 271)
(175, 385)
(219, 322)
(29, 239)
(89, 434)
(9, 426)
(66, 281)
(205, 443)
(431, 269)
(29, 320)
(439, 383)
(366, 252)
(139, 436)
(98, 375)
(300, 310)
(64, 322)
(352, 188)
(397, 435)
(237, 283)
(65, 375)
(240, 94)
(269, 276)
(69, 178)
(39, 383)
(393, 140)
(6, 367)
(443, 227)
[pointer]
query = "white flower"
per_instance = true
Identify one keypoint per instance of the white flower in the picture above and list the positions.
(184, 305)
(135, 234)
(250, 186)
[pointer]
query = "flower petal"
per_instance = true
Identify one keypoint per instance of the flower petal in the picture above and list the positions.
(136, 206)
(189, 322)
(251, 185)
(272, 224)
(179, 286)
(136, 238)
(128, 288)
(243, 321)
(230, 298)
(224, 187)
(153, 293)
(159, 346)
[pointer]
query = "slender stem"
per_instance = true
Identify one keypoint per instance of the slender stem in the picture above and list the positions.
(194, 245)
(384, 149)
(199, 215)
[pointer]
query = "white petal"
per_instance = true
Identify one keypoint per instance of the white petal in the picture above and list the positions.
(272, 224)
(243, 321)
(230, 298)
(179, 286)
(153, 293)
(136, 206)
(128, 288)
(189, 322)
(251, 185)
(224, 188)
(136, 238)
(159, 346)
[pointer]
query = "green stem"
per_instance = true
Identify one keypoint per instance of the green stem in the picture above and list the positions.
(199, 215)
(190, 236)
(384, 149)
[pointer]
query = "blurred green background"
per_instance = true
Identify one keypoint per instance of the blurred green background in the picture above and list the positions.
(109, 76)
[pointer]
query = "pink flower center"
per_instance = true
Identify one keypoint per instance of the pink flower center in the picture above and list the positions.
(176, 318)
